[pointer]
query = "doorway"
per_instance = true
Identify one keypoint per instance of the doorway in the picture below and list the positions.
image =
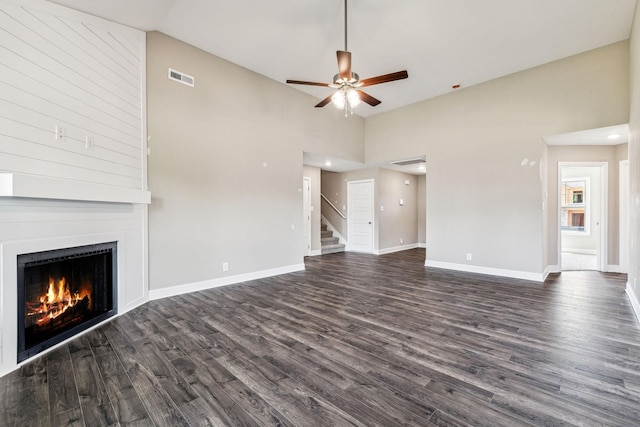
(582, 215)
(360, 215)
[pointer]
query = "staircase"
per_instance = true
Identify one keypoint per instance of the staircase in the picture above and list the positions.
(328, 243)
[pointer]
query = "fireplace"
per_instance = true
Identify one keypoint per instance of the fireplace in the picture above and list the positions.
(63, 292)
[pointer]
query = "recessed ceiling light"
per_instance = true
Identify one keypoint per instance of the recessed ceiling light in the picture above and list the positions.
(327, 163)
(613, 136)
(422, 167)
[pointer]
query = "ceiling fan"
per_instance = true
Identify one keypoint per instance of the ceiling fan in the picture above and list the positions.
(348, 83)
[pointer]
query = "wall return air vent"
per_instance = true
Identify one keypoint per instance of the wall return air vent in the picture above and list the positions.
(409, 162)
(181, 77)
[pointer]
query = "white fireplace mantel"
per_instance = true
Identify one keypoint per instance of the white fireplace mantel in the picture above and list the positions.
(44, 187)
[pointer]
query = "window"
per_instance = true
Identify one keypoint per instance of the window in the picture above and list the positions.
(573, 207)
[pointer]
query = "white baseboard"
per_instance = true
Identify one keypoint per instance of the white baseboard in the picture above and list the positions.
(635, 302)
(580, 251)
(422, 245)
(551, 269)
(515, 274)
(223, 281)
(395, 249)
(556, 269)
(315, 253)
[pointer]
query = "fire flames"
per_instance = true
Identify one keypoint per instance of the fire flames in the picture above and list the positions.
(56, 301)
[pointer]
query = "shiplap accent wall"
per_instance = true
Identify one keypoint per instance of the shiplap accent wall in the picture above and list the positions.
(60, 68)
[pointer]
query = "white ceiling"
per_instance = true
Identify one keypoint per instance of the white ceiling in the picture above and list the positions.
(439, 42)
(334, 164)
(610, 135)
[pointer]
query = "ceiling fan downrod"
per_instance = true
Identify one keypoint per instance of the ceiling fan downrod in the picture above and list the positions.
(345, 26)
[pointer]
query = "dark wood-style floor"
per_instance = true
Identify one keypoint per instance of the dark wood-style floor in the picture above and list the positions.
(354, 340)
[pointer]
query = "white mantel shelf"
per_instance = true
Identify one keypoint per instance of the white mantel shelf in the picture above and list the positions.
(39, 187)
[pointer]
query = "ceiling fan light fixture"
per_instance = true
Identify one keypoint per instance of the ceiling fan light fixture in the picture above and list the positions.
(353, 98)
(338, 99)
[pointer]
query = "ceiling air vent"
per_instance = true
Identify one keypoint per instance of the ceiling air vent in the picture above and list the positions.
(409, 162)
(181, 77)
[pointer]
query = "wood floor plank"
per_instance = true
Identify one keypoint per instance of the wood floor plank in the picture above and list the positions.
(9, 397)
(160, 408)
(295, 411)
(63, 394)
(71, 418)
(33, 396)
(254, 405)
(124, 399)
(94, 399)
(24, 397)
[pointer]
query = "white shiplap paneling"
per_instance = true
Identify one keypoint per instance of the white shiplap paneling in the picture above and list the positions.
(59, 67)
(66, 69)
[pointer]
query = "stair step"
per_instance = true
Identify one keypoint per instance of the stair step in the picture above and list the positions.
(326, 234)
(323, 227)
(325, 241)
(330, 249)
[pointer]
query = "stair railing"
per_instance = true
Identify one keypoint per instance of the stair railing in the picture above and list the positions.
(333, 206)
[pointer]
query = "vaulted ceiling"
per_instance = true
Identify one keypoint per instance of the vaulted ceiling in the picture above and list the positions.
(440, 42)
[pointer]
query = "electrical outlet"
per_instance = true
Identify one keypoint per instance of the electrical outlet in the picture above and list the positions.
(401, 241)
(225, 266)
(89, 142)
(469, 257)
(60, 134)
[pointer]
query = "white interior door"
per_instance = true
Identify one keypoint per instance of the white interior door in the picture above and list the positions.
(306, 207)
(360, 215)
(624, 216)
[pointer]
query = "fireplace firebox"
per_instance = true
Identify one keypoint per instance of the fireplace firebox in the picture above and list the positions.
(64, 292)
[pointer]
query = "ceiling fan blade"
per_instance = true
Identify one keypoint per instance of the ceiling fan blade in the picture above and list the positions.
(301, 82)
(398, 75)
(344, 65)
(365, 97)
(324, 102)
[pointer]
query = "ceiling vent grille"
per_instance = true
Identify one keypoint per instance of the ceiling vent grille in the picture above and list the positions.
(181, 77)
(409, 162)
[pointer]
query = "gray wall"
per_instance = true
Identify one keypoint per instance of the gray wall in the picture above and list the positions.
(225, 166)
(610, 155)
(634, 163)
(397, 222)
(480, 199)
